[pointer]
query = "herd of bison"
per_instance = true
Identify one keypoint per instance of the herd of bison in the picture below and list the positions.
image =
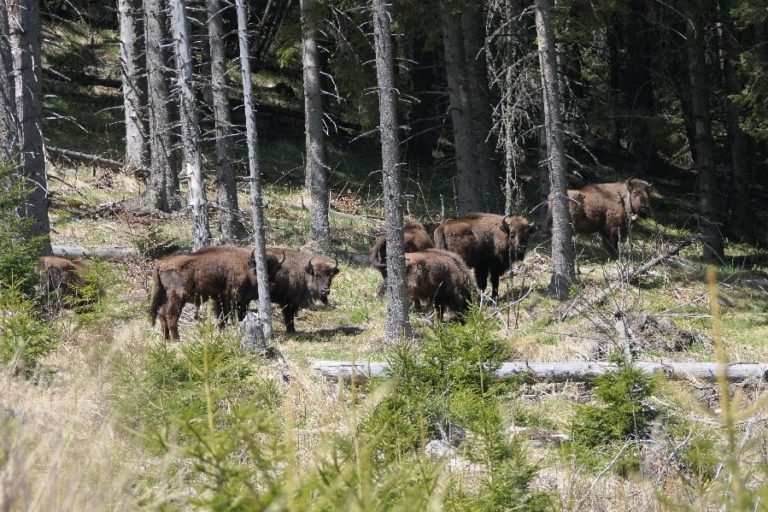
(437, 267)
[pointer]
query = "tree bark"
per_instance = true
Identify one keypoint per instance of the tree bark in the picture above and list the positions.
(316, 173)
(25, 42)
(229, 221)
(9, 127)
(704, 156)
(260, 251)
(132, 96)
(190, 126)
(397, 307)
(163, 183)
(468, 188)
(484, 158)
(561, 371)
(563, 251)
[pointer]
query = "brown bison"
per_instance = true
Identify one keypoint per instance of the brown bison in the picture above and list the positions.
(302, 278)
(62, 276)
(608, 209)
(487, 242)
(226, 274)
(415, 238)
(439, 278)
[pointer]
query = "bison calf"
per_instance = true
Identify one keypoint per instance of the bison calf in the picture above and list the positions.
(62, 277)
(226, 274)
(608, 209)
(487, 242)
(415, 238)
(439, 278)
(302, 278)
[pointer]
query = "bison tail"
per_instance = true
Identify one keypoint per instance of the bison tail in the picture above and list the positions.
(440, 242)
(158, 296)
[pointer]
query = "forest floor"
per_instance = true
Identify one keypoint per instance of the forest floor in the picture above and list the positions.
(80, 445)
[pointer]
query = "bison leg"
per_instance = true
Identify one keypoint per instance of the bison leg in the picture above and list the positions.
(289, 312)
(172, 314)
(495, 286)
(481, 276)
(163, 322)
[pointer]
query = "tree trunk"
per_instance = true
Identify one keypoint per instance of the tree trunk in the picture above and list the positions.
(468, 188)
(25, 42)
(473, 28)
(704, 156)
(190, 126)
(316, 173)
(397, 307)
(741, 151)
(563, 252)
(260, 254)
(9, 127)
(129, 52)
(229, 222)
(163, 183)
(562, 371)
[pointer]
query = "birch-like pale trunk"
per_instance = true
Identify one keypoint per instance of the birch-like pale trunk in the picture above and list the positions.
(229, 222)
(190, 126)
(163, 183)
(25, 26)
(129, 52)
(563, 251)
(254, 342)
(9, 126)
(397, 307)
(316, 170)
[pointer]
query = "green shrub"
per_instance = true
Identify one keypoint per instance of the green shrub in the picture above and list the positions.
(154, 243)
(24, 337)
(624, 415)
(20, 248)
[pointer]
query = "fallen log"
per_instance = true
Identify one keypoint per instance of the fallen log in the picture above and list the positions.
(565, 371)
(104, 253)
(579, 304)
(115, 165)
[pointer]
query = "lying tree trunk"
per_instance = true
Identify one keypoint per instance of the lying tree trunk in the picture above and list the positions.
(104, 253)
(580, 304)
(115, 165)
(565, 371)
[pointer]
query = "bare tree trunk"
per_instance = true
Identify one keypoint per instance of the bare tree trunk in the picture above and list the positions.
(25, 42)
(397, 307)
(9, 127)
(163, 185)
(316, 173)
(563, 252)
(473, 28)
(190, 126)
(260, 250)
(704, 156)
(468, 189)
(129, 53)
(229, 222)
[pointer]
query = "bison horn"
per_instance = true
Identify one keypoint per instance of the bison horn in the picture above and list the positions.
(282, 260)
(309, 268)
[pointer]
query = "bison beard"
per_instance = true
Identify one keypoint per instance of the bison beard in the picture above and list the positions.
(415, 238)
(487, 242)
(440, 278)
(225, 274)
(608, 209)
(302, 278)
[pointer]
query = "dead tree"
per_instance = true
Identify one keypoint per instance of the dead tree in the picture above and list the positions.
(132, 97)
(190, 127)
(9, 128)
(264, 320)
(397, 308)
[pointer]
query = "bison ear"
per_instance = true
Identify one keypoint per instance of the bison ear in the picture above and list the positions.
(505, 224)
(309, 269)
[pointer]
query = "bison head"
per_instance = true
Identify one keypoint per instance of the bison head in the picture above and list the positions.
(638, 197)
(320, 274)
(518, 230)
